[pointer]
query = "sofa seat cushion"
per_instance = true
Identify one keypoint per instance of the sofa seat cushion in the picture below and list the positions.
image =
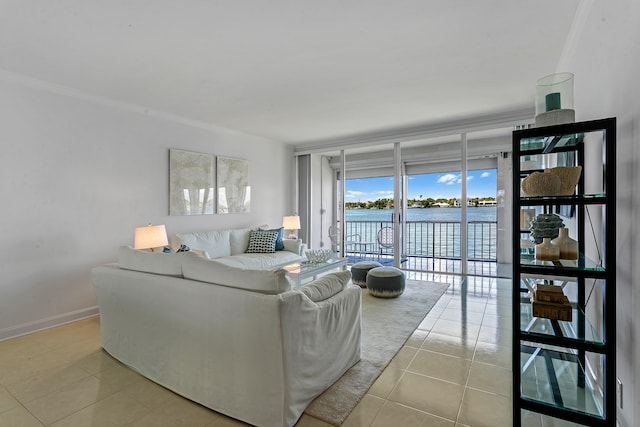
(259, 261)
(267, 281)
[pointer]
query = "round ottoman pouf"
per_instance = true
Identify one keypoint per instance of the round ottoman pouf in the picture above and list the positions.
(359, 272)
(385, 282)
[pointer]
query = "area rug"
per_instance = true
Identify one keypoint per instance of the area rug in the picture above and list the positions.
(386, 326)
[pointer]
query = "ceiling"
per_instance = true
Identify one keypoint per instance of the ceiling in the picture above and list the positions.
(299, 71)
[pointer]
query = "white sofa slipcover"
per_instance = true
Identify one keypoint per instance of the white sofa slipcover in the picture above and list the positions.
(258, 357)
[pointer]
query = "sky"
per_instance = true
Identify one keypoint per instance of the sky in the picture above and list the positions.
(480, 183)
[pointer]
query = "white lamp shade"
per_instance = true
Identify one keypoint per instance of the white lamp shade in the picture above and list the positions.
(291, 222)
(151, 236)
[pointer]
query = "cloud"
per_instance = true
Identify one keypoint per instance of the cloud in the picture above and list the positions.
(485, 175)
(469, 178)
(353, 194)
(448, 178)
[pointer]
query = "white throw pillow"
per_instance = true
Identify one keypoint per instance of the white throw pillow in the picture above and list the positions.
(211, 271)
(326, 286)
(150, 262)
(214, 242)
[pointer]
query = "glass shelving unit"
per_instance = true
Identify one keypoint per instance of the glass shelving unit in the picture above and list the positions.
(566, 369)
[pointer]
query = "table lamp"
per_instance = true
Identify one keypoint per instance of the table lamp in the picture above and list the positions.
(291, 223)
(150, 237)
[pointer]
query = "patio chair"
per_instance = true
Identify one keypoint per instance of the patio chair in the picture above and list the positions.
(385, 242)
(351, 242)
(385, 238)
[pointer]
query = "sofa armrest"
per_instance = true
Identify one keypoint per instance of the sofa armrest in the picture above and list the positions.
(294, 245)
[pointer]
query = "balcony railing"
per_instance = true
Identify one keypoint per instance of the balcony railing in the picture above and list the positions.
(427, 239)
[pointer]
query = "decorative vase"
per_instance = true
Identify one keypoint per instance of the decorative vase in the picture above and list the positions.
(546, 251)
(545, 225)
(568, 246)
(554, 100)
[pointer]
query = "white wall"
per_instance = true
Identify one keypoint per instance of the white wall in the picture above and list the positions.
(606, 62)
(77, 175)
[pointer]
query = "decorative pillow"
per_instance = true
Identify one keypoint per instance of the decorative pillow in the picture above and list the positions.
(262, 242)
(326, 286)
(279, 244)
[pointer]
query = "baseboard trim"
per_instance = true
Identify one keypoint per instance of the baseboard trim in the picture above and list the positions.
(47, 323)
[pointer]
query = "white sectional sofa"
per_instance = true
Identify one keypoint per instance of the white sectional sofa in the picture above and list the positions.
(240, 341)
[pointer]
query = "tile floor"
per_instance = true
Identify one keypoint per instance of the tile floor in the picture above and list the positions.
(455, 370)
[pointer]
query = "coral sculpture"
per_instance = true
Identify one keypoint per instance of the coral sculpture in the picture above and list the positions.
(569, 176)
(541, 184)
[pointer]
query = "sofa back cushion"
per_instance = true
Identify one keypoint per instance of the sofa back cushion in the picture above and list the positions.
(239, 240)
(326, 286)
(150, 262)
(272, 281)
(215, 243)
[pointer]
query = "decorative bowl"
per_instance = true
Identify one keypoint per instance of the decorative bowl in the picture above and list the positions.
(569, 176)
(316, 256)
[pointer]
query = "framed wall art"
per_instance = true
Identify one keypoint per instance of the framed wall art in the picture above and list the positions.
(191, 186)
(234, 191)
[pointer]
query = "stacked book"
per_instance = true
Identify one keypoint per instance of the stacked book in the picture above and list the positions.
(549, 302)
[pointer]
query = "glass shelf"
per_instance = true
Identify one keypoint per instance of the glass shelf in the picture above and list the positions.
(548, 143)
(530, 325)
(581, 264)
(553, 378)
(592, 198)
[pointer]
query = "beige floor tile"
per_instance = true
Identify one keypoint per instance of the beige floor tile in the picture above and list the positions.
(364, 412)
(490, 378)
(7, 400)
(483, 409)
(180, 412)
(495, 321)
(493, 335)
(148, 393)
(394, 414)
(402, 359)
(307, 421)
(456, 329)
(437, 397)
(96, 362)
(115, 410)
(385, 383)
(19, 417)
(469, 317)
(69, 399)
(493, 355)
(26, 365)
(469, 306)
(441, 366)
(46, 382)
(417, 338)
(224, 421)
(119, 376)
(428, 322)
(448, 344)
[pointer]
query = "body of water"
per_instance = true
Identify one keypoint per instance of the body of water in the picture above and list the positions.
(431, 232)
(487, 213)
